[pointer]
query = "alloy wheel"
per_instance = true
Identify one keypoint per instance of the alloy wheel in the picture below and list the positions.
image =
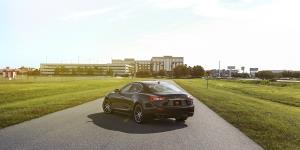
(138, 114)
(106, 108)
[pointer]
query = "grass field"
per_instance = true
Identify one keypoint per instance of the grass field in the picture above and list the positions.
(32, 97)
(269, 114)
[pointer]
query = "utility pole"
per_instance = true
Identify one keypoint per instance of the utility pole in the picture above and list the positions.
(219, 68)
(207, 81)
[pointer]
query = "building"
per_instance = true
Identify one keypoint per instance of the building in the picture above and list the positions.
(9, 73)
(128, 66)
(24, 70)
(143, 65)
(166, 63)
(85, 69)
(69, 69)
(223, 73)
(252, 72)
(127, 61)
(121, 69)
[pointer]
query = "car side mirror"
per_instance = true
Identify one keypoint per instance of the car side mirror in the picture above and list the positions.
(117, 90)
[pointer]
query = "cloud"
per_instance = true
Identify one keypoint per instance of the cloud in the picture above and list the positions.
(82, 14)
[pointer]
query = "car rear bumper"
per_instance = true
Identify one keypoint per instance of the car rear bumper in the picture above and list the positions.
(170, 112)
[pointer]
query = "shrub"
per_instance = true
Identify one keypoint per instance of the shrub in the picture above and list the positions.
(143, 74)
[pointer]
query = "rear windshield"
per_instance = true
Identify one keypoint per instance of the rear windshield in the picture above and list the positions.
(163, 88)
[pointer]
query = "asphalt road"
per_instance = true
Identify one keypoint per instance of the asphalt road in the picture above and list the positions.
(87, 127)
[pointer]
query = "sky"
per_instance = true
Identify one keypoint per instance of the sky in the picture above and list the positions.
(250, 33)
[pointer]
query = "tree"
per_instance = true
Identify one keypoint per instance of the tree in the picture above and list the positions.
(63, 70)
(35, 72)
(109, 72)
(296, 74)
(180, 71)
(189, 70)
(240, 75)
(98, 70)
(265, 75)
(85, 69)
(143, 73)
(56, 70)
(161, 73)
(73, 71)
(287, 74)
(90, 71)
(208, 73)
(197, 71)
(80, 70)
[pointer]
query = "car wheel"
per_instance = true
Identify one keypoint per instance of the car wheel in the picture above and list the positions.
(106, 107)
(181, 119)
(138, 115)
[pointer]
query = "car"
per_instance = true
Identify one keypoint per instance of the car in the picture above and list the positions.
(150, 99)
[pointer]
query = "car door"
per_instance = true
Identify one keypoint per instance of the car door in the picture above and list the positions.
(128, 96)
(119, 97)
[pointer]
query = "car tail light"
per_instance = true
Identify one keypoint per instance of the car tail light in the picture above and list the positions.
(156, 98)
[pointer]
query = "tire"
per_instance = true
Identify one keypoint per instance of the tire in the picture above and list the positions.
(106, 107)
(138, 114)
(181, 119)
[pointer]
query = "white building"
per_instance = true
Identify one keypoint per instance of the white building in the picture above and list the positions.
(83, 69)
(143, 65)
(127, 66)
(166, 63)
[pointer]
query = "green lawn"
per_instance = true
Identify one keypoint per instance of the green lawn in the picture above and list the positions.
(269, 114)
(32, 97)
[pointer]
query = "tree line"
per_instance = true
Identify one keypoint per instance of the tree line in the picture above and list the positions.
(272, 75)
(180, 71)
(62, 70)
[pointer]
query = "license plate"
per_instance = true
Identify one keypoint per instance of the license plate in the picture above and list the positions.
(177, 103)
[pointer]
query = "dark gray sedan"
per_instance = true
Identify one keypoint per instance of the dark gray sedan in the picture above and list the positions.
(150, 99)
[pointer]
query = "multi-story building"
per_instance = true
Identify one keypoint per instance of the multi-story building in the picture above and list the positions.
(166, 63)
(84, 69)
(127, 61)
(127, 66)
(253, 71)
(80, 69)
(223, 73)
(121, 69)
(143, 65)
(9, 73)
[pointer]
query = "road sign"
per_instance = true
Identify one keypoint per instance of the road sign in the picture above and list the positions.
(253, 69)
(230, 67)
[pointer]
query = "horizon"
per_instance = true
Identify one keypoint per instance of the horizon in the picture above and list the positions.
(99, 61)
(248, 33)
